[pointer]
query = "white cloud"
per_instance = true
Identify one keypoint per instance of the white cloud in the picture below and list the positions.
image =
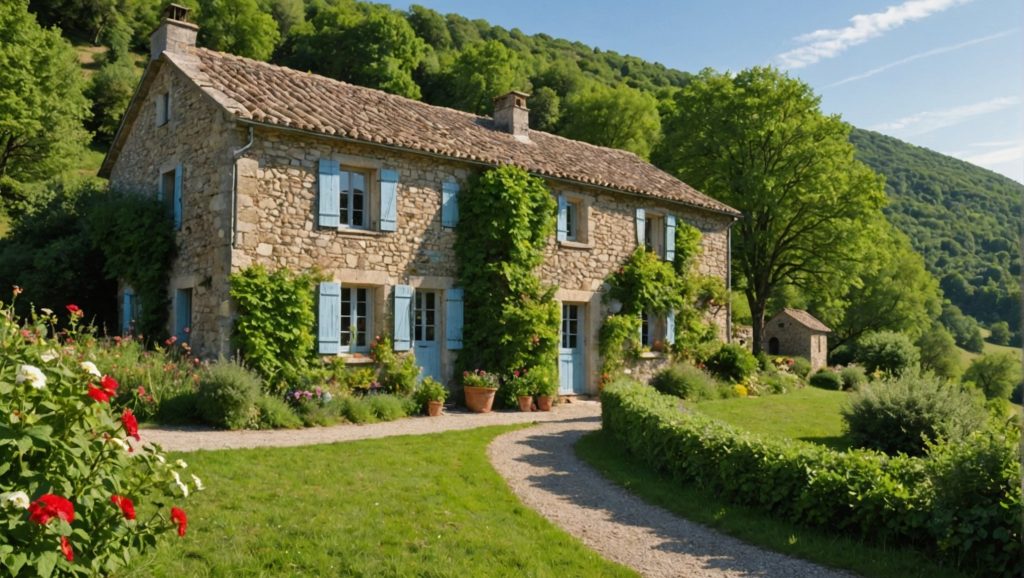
(933, 52)
(829, 42)
(928, 121)
(999, 156)
(1007, 157)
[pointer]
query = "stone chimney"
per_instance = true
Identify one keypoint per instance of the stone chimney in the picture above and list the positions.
(511, 114)
(175, 33)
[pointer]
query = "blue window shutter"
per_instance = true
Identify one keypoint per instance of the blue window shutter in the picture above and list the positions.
(403, 318)
(329, 319)
(670, 328)
(453, 321)
(177, 197)
(389, 200)
(670, 237)
(329, 181)
(183, 315)
(563, 221)
(449, 203)
(641, 216)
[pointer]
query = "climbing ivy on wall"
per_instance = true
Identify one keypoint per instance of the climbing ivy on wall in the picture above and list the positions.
(506, 219)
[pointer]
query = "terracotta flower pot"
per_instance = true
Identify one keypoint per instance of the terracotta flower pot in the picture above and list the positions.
(544, 402)
(434, 408)
(525, 402)
(479, 399)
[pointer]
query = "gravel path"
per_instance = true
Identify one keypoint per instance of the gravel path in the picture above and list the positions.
(192, 438)
(543, 471)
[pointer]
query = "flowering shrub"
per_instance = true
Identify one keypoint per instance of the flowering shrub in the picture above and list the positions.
(479, 378)
(318, 396)
(77, 496)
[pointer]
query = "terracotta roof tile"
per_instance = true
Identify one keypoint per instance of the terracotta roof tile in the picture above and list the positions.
(806, 319)
(275, 95)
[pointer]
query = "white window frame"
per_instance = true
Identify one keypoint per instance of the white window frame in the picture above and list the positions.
(652, 329)
(347, 196)
(654, 233)
(348, 343)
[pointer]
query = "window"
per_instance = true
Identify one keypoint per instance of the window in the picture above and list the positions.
(183, 315)
(356, 318)
(572, 211)
(355, 199)
(572, 219)
(654, 234)
(163, 108)
(653, 330)
(570, 326)
(167, 191)
(425, 316)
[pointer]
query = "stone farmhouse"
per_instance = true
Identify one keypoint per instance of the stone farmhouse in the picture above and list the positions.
(260, 164)
(797, 333)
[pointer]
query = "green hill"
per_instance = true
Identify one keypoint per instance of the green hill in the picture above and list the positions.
(964, 219)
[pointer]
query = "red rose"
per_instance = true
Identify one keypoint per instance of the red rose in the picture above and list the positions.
(109, 384)
(126, 505)
(65, 547)
(98, 394)
(49, 506)
(131, 425)
(75, 310)
(178, 517)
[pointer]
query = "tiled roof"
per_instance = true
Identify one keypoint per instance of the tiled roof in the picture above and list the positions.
(274, 95)
(806, 319)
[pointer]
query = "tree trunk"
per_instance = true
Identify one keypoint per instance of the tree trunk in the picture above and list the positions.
(757, 308)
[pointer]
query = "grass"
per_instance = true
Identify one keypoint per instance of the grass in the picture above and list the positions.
(406, 506)
(750, 525)
(808, 414)
(966, 357)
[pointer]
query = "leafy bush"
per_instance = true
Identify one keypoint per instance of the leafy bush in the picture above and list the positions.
(904, 414)
(733, 362)
(827, 379)
(388, 407)
(779, 383)
(155, 375)
(887, 352)
(396, 373)
(686, 381)
(430, 390)
(275, 413)
(182, 408)
(94, 499)
(963, 504)
(618, 341)
(801, 367)
(853, 377)
(227, 395)
(995, 374)
(355, 409)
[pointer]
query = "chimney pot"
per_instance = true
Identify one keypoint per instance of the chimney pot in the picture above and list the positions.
(175, 33)
(511, 114)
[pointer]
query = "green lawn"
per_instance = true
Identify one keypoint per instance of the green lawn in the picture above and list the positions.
(966, 357)
(751, 525)
(808, 414)
(407, 506)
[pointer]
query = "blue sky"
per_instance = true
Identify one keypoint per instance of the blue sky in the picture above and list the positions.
(944, 74)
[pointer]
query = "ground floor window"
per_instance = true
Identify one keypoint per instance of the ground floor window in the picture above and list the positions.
(183, 314)
(356, 318)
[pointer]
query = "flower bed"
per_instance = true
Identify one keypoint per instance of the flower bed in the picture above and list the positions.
(962, 503)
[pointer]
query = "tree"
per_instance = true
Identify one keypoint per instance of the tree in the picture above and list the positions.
(42, 106)
(938, 353)
(238, 26)
(481, 72)
(619, 117)
(110, 91)
(545, 109)
(758, 141)
(1000, 333)
(995, 374)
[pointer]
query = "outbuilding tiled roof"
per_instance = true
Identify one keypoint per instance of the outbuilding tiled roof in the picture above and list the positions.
(806, 319)
(273, 95)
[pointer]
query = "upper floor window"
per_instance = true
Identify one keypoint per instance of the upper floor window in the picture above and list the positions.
(572, 219)
(163, 108)
(170, 194)
(656, 232)
(355, 198)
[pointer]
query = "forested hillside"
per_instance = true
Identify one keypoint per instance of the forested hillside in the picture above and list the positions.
(962, 218)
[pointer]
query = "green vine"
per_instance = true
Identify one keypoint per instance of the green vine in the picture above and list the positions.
(506, 219)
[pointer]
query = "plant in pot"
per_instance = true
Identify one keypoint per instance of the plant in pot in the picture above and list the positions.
(479, 388)
(522, 387)
(431, 394)
(544, 386)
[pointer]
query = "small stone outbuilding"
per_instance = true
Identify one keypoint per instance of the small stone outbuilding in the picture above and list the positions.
(797, 333)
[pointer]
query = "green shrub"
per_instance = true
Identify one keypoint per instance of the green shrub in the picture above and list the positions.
(355, 409)
(801, 367)
(962, 504)
(388, 407)
(779, 383)
(764, 362)
(182, 408)
(227, 395)
(430, 390)
(397, 373)
(827, 379)
(155, 376)
(275, 413)
(904, 414)
(853, 377)
(686, 381)
(733, 363)
(888, 352)
(349, 379)
(995, 374)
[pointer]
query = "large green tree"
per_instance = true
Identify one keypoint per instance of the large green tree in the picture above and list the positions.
(480, 73)
(238, 26)
(619, 117)
(758, 141)
(42, 106)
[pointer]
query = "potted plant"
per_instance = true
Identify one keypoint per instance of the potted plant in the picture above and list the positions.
(431, 394)
(545, 386)
(523, 388)
(479, 388)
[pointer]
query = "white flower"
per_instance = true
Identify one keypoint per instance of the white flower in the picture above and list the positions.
(46, 310)
(90, 368)
(181, 464)
(17, 499)
(160, 458)
(181, 485)
(49, 356)
(120, 442)
(32, 375)
(198, 483)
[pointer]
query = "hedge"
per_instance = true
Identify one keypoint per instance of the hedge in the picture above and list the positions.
(962, 504)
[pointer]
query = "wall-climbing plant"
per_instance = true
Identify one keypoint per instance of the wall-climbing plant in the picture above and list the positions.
(506, 219)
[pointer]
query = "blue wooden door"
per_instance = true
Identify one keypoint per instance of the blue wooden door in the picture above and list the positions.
(426, 337)
(570, 354)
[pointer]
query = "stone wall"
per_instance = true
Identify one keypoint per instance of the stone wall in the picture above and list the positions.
(796, 340)
(196, 136)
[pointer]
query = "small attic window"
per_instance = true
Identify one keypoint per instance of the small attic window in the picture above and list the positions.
(163, 108)
(782, 324)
